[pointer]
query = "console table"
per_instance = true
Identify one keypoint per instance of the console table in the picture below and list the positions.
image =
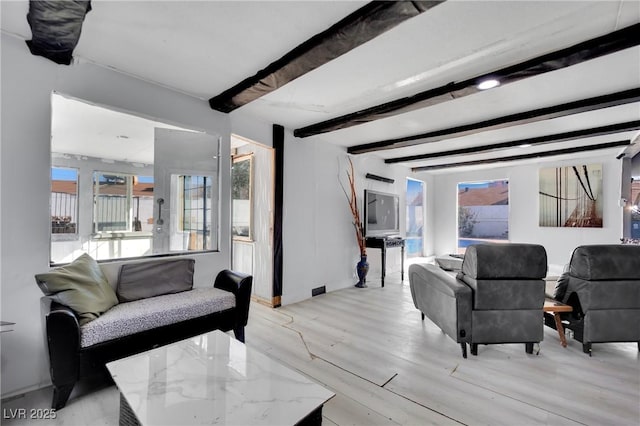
(383, 243)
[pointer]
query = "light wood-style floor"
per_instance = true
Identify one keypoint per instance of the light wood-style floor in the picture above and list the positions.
(388, 367)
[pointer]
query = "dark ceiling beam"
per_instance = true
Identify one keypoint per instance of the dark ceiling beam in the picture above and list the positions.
(359, 27)
(526, 117)
(55, 28)
(590, 49)
(542, 154)
(539, 140)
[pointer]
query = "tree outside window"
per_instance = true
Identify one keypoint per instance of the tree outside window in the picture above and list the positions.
(241, 195)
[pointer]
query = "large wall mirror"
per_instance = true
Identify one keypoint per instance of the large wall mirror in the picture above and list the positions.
(124, 186)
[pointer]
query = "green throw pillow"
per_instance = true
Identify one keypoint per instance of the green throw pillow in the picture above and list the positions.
(81, 286)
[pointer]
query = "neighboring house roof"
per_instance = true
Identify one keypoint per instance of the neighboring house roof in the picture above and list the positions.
(70, 187)
(491, 196)
(64, 186)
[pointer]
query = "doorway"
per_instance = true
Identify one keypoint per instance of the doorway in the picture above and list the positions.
(252, 210)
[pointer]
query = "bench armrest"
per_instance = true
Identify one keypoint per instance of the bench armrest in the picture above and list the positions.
(240, 285)
(63, 341)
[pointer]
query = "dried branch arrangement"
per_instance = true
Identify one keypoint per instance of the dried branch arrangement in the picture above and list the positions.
(355, 212)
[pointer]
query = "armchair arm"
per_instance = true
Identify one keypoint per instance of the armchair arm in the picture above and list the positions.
(63, 341)
(443, 299)
(439, 279)
(240, 285)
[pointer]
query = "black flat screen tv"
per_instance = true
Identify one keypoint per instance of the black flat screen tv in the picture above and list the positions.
(381, 214)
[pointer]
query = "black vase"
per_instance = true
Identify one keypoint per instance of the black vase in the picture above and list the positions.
(362, 268)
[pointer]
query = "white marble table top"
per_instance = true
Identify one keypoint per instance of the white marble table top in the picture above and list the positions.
(214, 379)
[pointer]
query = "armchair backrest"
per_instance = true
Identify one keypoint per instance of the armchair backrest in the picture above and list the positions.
(603, 287)
(603, 276)
(505, 276)
(505, 261)
(606, 262)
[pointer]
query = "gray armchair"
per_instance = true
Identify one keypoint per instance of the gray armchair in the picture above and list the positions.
(497, 297)
(602, 285)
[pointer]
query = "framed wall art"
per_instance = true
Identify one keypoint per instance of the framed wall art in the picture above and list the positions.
(571, 196)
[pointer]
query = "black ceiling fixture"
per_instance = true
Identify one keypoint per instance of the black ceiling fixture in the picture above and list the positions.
(359, 27)
(547, 113)
(590, 49)
(573, 150)
(539, 140)
(55, 28)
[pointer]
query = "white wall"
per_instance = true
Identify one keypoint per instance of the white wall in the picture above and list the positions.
(523, 207)
(319, 243)
(27, 83)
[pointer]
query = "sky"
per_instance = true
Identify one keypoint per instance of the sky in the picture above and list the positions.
(61, 173)
(463, 185)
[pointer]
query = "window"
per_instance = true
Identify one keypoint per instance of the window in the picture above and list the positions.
(483, 212)
(122, 202)
(194, 198)
(241, 194)
(415, 218)
(64, 202)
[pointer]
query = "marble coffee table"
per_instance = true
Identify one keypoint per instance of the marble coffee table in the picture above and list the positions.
(213, 379)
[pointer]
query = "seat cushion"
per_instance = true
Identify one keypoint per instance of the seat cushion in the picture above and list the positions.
(80, 285)
(449, 263)
(144, 314)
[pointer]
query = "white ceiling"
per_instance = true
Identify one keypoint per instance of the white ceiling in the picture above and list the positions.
(205, 47)
(114, 135)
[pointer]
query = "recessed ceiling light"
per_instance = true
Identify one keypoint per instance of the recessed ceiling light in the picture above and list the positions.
(525, 145)
(122, 137)
(488, 84)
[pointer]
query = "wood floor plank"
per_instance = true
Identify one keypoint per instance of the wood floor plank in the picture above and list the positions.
(382, 403)
(468, 403)
(381, 329)
(387, 366)
(586, 393)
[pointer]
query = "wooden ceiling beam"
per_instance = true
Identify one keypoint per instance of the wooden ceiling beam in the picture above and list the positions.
(539, 140)
(526, 117)
(359, 27)
(542, 154)
(587, 50)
